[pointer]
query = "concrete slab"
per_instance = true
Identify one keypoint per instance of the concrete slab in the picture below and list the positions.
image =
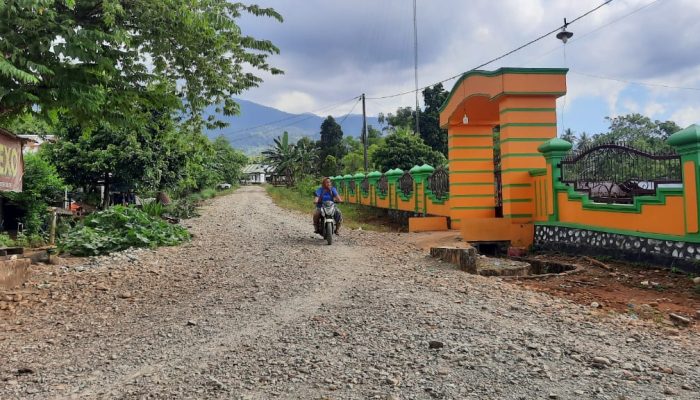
(426, 240)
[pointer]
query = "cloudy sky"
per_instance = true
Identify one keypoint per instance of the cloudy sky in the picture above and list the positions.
(620, 57)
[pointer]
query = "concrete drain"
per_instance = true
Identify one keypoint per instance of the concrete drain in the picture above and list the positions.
(522, 267)
(467, 259)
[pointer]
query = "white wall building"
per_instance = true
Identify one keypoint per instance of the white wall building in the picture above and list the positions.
(256, 173)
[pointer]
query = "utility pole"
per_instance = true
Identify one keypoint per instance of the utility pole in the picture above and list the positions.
(364, 130)
(415, 64)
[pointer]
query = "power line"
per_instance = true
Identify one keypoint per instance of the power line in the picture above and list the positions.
(497, 58)
(351, 110)
(424, 87)
(662, 85)
(580, 37)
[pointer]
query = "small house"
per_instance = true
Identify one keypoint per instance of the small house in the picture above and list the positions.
(256, 173)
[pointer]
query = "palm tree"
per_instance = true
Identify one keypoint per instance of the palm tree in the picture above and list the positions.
(570, 136)
(283, 157)
(583, 141)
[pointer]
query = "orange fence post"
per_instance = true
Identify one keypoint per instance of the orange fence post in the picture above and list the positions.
(687, 144)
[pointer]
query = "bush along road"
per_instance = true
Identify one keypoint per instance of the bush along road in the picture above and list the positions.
(255, 306)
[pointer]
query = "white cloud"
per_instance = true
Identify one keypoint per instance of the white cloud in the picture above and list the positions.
(334, 50)
(294, 102)
(654, 109)
(687, 116)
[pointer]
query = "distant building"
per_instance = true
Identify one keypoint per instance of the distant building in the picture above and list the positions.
(256, 173)
(33, 142)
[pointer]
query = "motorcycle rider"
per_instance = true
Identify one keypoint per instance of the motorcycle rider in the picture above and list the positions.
(327, 193)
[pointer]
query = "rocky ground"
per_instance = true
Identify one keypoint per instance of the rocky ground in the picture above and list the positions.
(257, 307)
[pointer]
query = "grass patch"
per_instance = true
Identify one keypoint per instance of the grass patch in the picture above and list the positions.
(354, 215)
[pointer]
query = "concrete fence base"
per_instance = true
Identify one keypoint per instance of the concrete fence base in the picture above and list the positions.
(668, 253)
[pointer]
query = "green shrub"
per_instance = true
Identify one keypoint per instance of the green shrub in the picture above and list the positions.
(31, 240)
(183, 208)
(208, 193)
(307, 186)
(119, 228)
(41, 187)
(154, 209)
(6, 240)
(194, 197)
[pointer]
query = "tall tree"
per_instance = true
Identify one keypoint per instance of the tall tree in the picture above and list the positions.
(153, 152)
(404, 118)
(429, 120)
(331, 140)
(228, 162)
(374, 136)
(94, 57)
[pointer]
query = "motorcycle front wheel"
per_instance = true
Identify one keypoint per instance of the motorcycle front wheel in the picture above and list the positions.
(329, 233)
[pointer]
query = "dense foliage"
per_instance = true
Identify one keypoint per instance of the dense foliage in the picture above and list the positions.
(403, 149)
(635, 130)
(428, 119)
(119, 228)
(42, 186)
(95, 57)
(123, 85)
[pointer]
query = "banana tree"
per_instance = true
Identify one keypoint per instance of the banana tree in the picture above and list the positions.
(283, 156)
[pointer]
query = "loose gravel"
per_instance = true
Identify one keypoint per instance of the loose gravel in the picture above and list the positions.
(257, 307)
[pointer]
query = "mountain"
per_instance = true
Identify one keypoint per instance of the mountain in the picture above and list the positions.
(246, 133)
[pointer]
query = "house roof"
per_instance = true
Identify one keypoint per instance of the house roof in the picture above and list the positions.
(38, 138)
(257, 169)
(11, 135)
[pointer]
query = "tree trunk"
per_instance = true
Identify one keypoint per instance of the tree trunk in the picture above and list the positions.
(162, 198)
(105, 198)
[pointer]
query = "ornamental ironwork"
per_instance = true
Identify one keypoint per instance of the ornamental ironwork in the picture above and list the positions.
(406, 184)
(351, 185)
(383, 185)
(616, 173)
(439, 183)
(364, 186)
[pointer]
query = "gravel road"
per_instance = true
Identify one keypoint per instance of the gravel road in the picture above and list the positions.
(256, 307)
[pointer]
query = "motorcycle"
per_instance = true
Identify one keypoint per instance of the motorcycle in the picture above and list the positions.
(326, 224)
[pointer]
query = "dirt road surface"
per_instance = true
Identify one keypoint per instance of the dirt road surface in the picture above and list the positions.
(256, 307)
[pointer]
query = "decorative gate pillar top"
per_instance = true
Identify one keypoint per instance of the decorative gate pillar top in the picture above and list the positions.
(477, 93)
